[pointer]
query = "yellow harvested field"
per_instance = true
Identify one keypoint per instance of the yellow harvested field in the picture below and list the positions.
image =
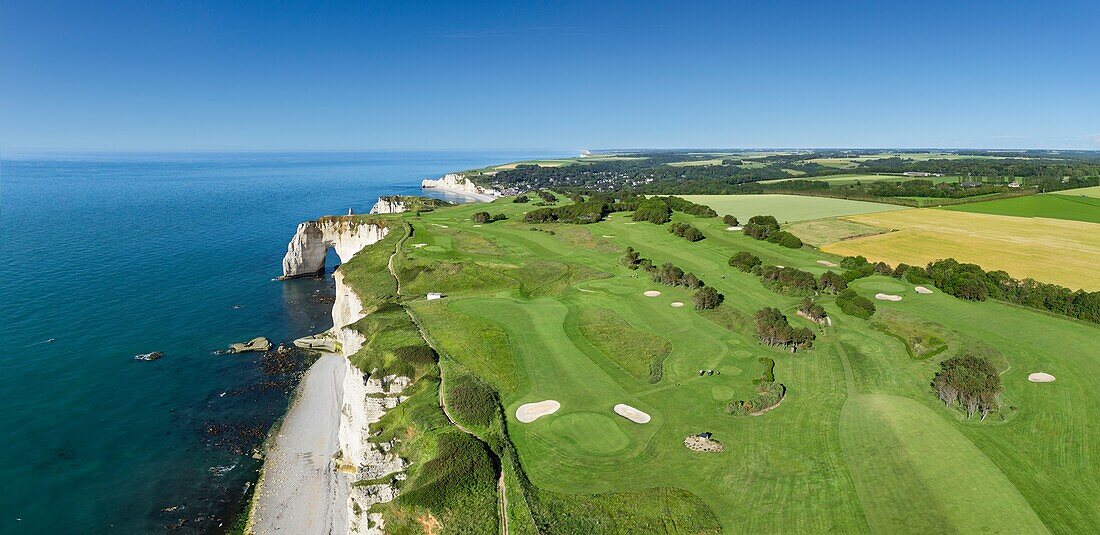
(1048, 250)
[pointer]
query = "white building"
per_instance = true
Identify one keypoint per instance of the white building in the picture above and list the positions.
(435, 295)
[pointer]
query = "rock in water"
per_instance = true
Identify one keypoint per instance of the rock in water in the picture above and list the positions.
(155, 355)
(256, 344)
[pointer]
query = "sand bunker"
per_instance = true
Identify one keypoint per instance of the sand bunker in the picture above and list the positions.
(477, 226)
(529, 412)
(632, 414)
(826, 263)
(922, 290)
(606, 236)
(733, 228)
(651, 293)
(586, 290)
(1041, 377)
(677, 304)
(887, 297)
(419, 245)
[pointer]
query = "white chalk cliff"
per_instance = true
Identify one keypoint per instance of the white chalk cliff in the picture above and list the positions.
(389, 205)
(460, 184)
(305, 255)
(365, 398)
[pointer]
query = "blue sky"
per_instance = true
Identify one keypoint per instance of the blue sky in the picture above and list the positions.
(125, 76)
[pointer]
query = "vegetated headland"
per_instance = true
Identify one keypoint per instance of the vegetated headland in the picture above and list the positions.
(528, 364)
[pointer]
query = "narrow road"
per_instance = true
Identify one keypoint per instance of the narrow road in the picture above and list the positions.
(502, 496)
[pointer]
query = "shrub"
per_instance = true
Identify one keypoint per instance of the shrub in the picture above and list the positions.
(707, 298)
(547, 196)
(686, 231)
(730, 221)
(854, 304)
(521, 199)
(482, 217)
(812, 310)
(760, 227)
(786, 239)
(744, 261)
(768, 395)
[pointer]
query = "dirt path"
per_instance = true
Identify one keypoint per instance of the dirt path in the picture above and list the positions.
(502, 496)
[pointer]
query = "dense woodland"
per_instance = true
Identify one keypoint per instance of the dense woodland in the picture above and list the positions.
(652, 173)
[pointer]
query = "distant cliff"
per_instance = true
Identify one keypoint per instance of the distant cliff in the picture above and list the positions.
(396, 204)
(460, 184)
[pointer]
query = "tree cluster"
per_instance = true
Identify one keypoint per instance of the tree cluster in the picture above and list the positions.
(744, 261)
(547, 196)
(773, 330)
(788, 280)
(969, 281)
(970, 381)
(653, 210)
(705, 297)
(765, 227)
(831, 282)
(730, 221)
(581, 213)
(812, 310)
(686, 232)
(521, 199)
(484, 217)
(854, 304)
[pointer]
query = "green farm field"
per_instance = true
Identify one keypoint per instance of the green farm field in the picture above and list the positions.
(844, 180)
(1051, 205)
(860, 444)
(787, 208)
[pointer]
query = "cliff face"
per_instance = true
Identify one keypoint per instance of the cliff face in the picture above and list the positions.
(459, 183)
(389, 205)
(305, 254)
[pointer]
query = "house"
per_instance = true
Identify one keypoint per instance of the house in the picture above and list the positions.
(434, 295)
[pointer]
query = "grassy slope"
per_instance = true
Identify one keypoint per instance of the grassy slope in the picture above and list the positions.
(787, 208)
(1093, 191)
(1072, 207)
(1022, 247)
(790, 470)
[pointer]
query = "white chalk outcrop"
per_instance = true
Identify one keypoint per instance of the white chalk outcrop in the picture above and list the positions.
(364, 398)
(305, 255)
(458, 183)
(389, 205)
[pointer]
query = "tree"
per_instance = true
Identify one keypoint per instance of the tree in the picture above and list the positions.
(707, 298)
(971, 381)
(521, 199)
(481, 217)
(832, 283)
(812, 310)
(786, 239)
(730, 221)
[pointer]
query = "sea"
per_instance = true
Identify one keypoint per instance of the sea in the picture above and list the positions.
(107, 256)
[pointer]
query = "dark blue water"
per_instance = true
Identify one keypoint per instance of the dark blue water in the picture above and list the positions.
(110, 256)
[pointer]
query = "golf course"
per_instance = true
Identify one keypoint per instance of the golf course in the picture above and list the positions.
(544, 334)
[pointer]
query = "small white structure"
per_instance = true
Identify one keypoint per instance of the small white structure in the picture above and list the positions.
(435, 295)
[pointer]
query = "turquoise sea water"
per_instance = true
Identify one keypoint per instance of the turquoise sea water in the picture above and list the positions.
(113, 255)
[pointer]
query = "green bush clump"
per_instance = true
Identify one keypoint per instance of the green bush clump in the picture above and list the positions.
(744, 261)
(768, 395)
(768, 375)
(654, 210)
(788, 280)
(730, 221)
(854, 304)
(521, 199)
(471, 401)
(686, 232)
(707, 298)
(786, 239)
